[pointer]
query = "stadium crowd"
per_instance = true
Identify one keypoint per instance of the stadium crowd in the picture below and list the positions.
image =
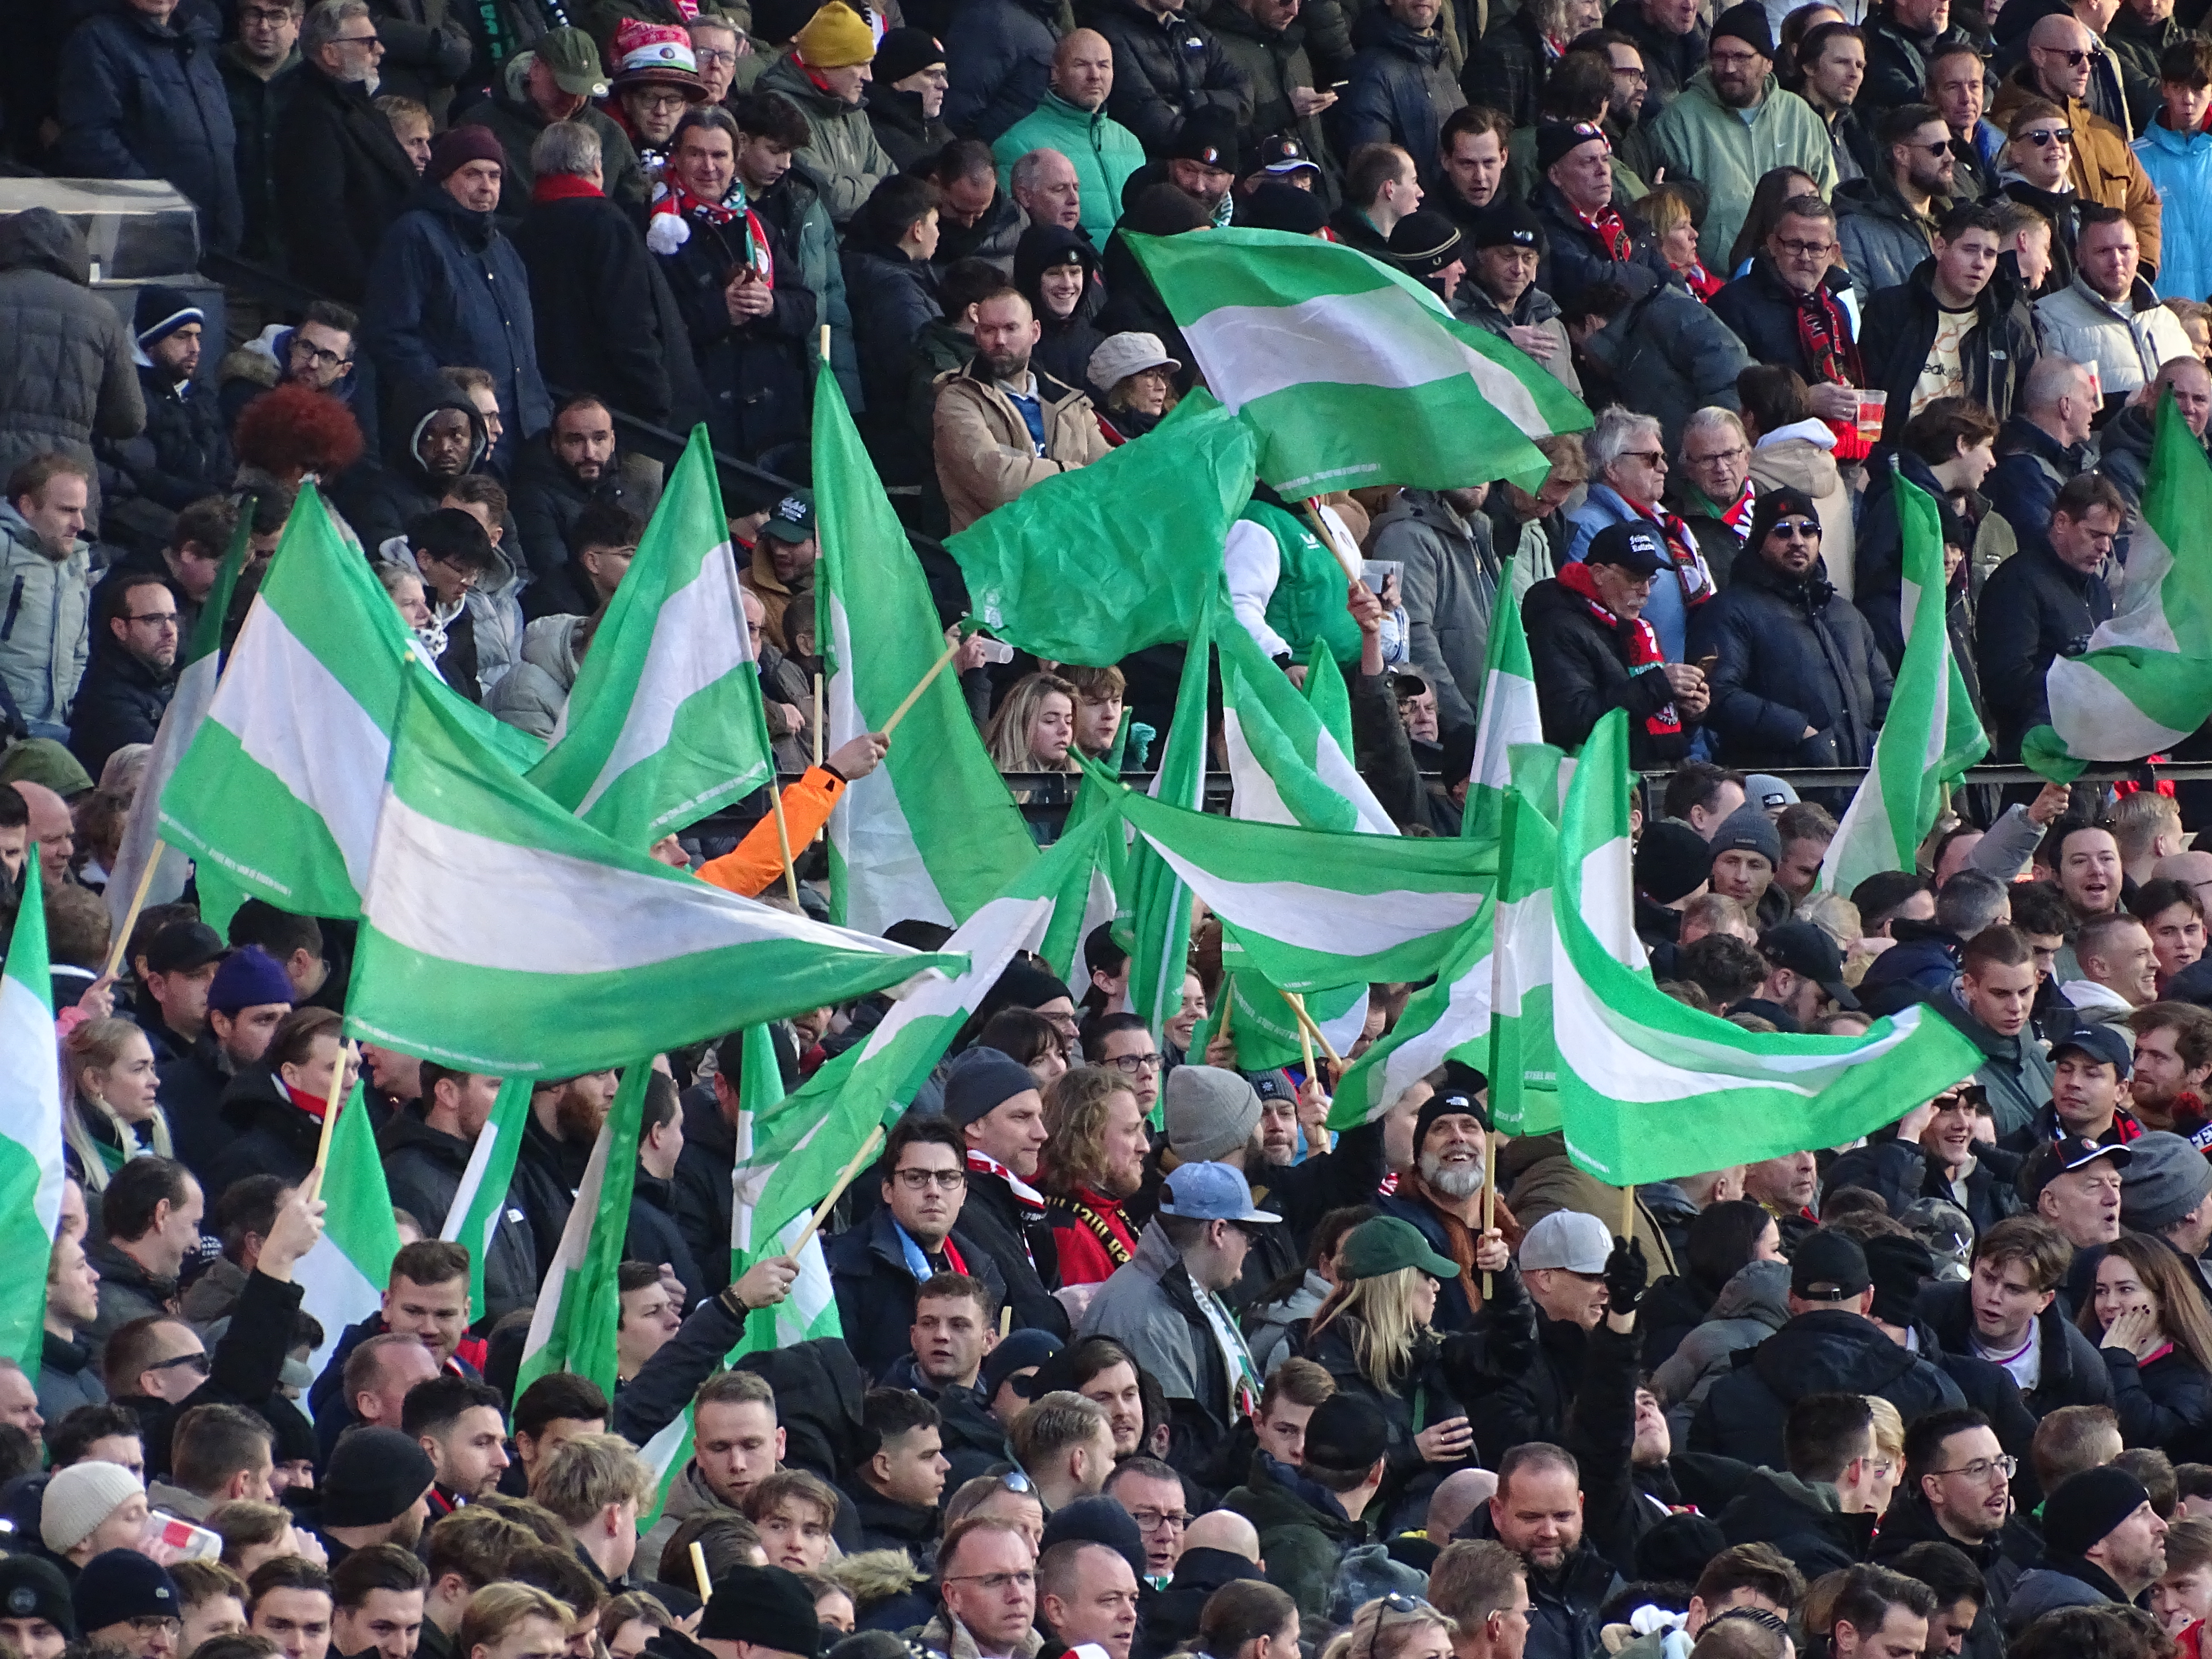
(1139, 1359)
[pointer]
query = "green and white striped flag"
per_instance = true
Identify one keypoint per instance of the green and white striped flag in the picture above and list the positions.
(1285, 765)
(2145, 681)
(197, 671)
(1448, 1019)
(1263, 1025)
(1351, 373)
(30, 1126)
(279, 787)
(1154, 899)
(1931, 734)
(664, 724)
(492, 920)
(1509, 714)
(1650, 1087)
(343, 1278)
(1314, 910)
(931, 834)
(580, 1299)
(481, 1199)
(1523, 1061)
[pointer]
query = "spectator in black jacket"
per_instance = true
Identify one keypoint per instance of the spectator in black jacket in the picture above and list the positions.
(654, 1237)
(2042, 604)
(341, 176)
(1820, 1507)
(1945, 450)
(1902, 39)
(424, 1157)
(1913, 347)
(131, 675)
(1590, 236)
(906, 100)
(891, 286)
(2043, 444)
(993, 1101)
(700, 1190)
(1538, 1514)
(578, 466)
(1672, 42)
(1401, 89)
(566, 1115)
(1800, 681)
(260, 71)
(1000, 54)
(183, 453)
(1594, 652)
(1787, 309)
(1166, 66)
(2009, 1313)
(436, 437)
(1506, 69)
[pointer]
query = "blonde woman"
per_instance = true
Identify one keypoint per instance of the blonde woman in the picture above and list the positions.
(1034, 730)
(1668, 210)
(1394, 1626)
(110, 1118)
(1889, 1451)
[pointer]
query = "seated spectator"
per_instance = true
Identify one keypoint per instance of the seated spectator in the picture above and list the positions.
(555, 79)
(45, 558)
(1597, 653)
(410, 125)
(655, 79)
(1428, 247)
(1886, 222)
(2108, 317)
(1504, 250)
(1401, 89)
(1710, 485)
(1589, 236)
(1048, 190)
(1957, 78)
(2174, 148)
(1946, 449)
(2044, 602)
(825, 73)
(1671, 215)
(1070, 120)
(1831, 67)
(906, 100)
(1056, 270)
(2041, 209)
(183, 454)
(317, 352)
(1787, 314)
(1137, 376)
(132, 674)
(1628, 480)
(998, 426)
(976, 219)
(578, 466)
(1381, 187)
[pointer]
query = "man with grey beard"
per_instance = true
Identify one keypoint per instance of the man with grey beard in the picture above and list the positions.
(1441, 1193)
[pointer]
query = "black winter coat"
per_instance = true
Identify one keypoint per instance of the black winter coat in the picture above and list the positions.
(547, 1173)
(1762, 309)
(426, 51)
(908, 136)
(2073, 1374)
(1564, 1618)
(1668, 59)
(256, 107)
(1897, 59)
(876, 1289)
(1909, 1521)
(1903, 1174)
(2032, 468)
(1827, 1351)
(587, 266)
(2167, 1403)
(654, 1236)
(893, 298)
(546, 500)
(2034, 609)
(1508, 68)
(118, 700)
(1671, 357)
(183, 454)
(341, 179)
(275, 1136)
(1164, 67)
(1778, 1508)
(142, 99)
(1401, 89)
(379, 502)
(1000, 56)
(423, 1166)
(1898, 332)
(699, 1192)
(1574, 259)
(657, 1395)
(1021, 1242)
(1274, 61)
(1582, 671)
(756, 376)
(1793, 654)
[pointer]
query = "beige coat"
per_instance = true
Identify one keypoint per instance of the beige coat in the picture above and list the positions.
(985, 457)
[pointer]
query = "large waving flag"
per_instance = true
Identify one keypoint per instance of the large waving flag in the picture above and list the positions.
(931, 834)
(1154, 897)
(481, 1197)
(342, 1279)
(1931, 734)
(197, 674)
(664, 724)
(279, 787)
(1508, 715)
(1098, 885)
(1093, 565)
(1651, 1089)
(2145, 681)
(30, 1126)
(1523, 1061)
(492, 918)
(1286, 764)
(1448, 1019)
(579, 1300)
(1351, 373)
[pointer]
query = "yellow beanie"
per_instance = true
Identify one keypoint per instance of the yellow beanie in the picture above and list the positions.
(835, 37)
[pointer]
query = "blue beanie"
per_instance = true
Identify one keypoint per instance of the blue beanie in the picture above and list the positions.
(249, 978)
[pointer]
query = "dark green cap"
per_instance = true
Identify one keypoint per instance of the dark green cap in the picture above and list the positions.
(1385, 1244)
(573, 57)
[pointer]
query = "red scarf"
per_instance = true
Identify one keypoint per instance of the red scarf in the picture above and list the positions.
(679, 203)
(311, 1104)
(561, 188)
(1610, 229)
(1643, 653)
(1738, 517)
(1702, 282)
(1024, 1195)
(1824, 335)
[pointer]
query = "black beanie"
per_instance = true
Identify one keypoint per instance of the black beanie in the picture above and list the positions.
(374, 1476)
(2088, 1506)
(1672, 860)
(1459, 1095)
(1099, 1520)
(1771, 505)
(1899, 1267)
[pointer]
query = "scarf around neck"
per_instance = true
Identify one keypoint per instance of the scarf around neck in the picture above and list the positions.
(1644, 656)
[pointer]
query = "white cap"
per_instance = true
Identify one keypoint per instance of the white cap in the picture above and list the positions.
(1568, 1239)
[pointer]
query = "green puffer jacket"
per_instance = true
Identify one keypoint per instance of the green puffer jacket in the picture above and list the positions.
(1103, 152)
(843, 161)
(1701, 139)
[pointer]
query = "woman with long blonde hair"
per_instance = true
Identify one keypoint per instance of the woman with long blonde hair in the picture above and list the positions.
(1394, 1626)
(110, 1117)
(1034, 730)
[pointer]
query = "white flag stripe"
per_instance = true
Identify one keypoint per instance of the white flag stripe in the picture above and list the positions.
(575, 1243)
(886, 879)
(30, 1090)
(1524, 950)
(990, 937)
(336, 1291)
(1305, 917)
(2084, 703)
(1510, 715)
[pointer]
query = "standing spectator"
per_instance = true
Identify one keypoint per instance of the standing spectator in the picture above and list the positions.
(1071, 119)
(906, 100)
(140, 97)
(892, 288)
(2125, 446)
(448, 288)
(1538, 1515)
(577, 465)
(1166, 67)
(1002, 55)
(2109, 316)
(2176, 154)
(2043, 443)
(1671, 34)
(716, 46)
(555, 81)
(1831, 65)
(2033, 179)
(1502, 295)
(1711, 484)
(1628, 481)
(1667, 355)
(1450, 591)
(2042, 604)
(1789, 446)
(1903, 38)
(183, 454)
(2140, 35)
(2103, 169)
(606, 317)
(1800, 681)
(1886, 221)
(340, 177)
(1507, 68)
(1267, 40)
(1048, 190)
(1945, 450)
(825, 73)
(998, 426)
(129, 678)
(656, 79)
(1787, 311)
(260, 71)
(1401, 92)
(1380, 188)
(1957, 87)
(1470, 163)
(45, 569)
(1673, 216)
(1733, 124)
(1590, 236)
(1955, 327)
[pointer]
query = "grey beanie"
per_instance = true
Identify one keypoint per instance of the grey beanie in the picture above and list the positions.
(2165, 1180)
(980, 1081)
(1748, 829)
(1212, 1113)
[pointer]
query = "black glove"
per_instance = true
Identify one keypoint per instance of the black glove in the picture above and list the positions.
(1626, 1278)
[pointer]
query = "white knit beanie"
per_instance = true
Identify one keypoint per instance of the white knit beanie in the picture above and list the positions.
(78, 1498)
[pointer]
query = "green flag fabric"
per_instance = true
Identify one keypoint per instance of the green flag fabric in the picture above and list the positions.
(1931, 734)
(1449, 1018)
(1097, 563)
(1651, 1089)
(2145, 683)
(1351, 373)
(493, 919)
(1154, 896)
(664, 724)
(580, 1299)
(931, 834)
(30, 1126)
(1523, 1061)
(478, 1202)
(199, 667)
(343, 1278)
(1509, 714)
(1262, 1024)
(1285, 765)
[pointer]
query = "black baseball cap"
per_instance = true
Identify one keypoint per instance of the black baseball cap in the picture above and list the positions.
(1808, 952)
(1635, 548)
(2056, 1157)
(2100, 1043)
(183, 946)
(1828, 1267)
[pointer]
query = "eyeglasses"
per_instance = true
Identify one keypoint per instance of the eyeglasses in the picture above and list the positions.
(2074, 59)
(725, 56)
(1982, 1468)
(994, 1584)
(160, 618)
(197, 1362)
(375, 40)
(1620, 74)
(1135, 1065)
(264, 15)
(660, 100)
(319, 356)
(1731, 456)
(1797, 527)
(1805, 250)
(2042, 137)
(1151, 1521)
(946, 1181)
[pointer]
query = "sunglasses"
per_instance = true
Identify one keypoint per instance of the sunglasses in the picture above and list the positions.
(198, 1362)
(2042, 137)
(2074, 59)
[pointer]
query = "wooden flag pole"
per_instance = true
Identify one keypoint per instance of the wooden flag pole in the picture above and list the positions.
(783, 837)
(1489, 1194)
(1628, 1213)
(825, 342)
(915, 696)
(1306, 1023)
(1305, 1041)
(331, 1098)
(1313, 516)
(844, 1180)
(121, 942)
(699, 1555)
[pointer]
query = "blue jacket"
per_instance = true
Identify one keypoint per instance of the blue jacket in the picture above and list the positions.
(999, 52)
(448, 287)
(1668, 613)
(2180, 170)
(142, 99)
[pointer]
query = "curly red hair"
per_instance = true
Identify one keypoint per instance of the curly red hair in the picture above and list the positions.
(294, 431)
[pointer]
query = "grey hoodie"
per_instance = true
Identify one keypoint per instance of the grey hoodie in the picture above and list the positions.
(1752, 1306)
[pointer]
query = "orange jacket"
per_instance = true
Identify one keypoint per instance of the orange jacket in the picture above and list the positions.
(752, 867)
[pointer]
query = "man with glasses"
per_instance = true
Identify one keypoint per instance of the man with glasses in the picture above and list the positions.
(2067, 65)
(260, 69)
(140, 1612)
(341, 177)
(716, 46)
(1712, 488)
(1591, 657)
(987, 1575)
(1957, 1490)
(1156, 1500)
(132, 671)
(1788, 311)
(913, 1235)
